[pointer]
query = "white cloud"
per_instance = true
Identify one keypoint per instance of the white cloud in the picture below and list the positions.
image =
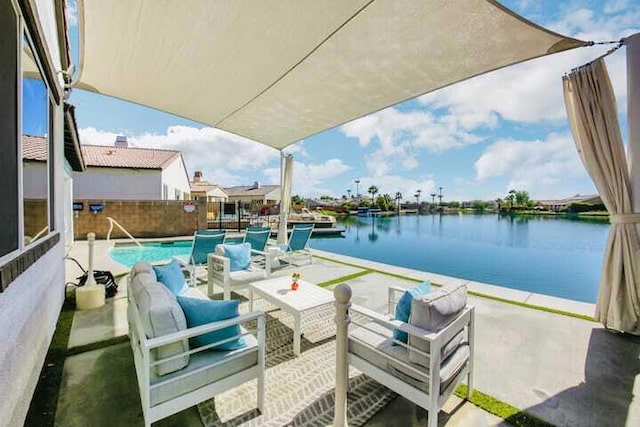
(72, 13)
(546, 168)
(308, 178)
(224, 158)
(401, 135)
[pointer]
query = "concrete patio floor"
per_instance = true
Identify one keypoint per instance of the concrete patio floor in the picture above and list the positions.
(564, 370)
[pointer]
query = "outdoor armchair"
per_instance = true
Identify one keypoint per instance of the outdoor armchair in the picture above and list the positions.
(219, 272)
(438, 354)
(204, 243)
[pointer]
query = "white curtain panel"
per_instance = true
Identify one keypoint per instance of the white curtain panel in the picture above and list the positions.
(593, 118)
(285, 197)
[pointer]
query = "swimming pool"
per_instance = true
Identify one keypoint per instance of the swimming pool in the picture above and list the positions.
(154, 251)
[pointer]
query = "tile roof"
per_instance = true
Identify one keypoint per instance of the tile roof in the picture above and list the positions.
(130, 158)
(34, 148)
(250, 190)
(203, 186)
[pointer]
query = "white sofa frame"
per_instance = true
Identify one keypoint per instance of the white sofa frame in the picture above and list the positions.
(142, 347)
(219, 273)
(434, 399)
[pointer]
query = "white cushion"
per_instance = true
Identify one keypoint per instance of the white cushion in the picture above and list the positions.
(160, 315)
(433, 312)
(245, 276)
(197, 374)
(142, 267)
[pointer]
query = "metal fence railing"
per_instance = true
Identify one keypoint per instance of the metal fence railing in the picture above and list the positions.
(240, 215)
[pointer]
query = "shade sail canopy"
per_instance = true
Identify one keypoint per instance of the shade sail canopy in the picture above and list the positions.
(277, 71)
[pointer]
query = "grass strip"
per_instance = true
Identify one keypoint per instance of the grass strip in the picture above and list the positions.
(474, 293)
(510, 414)
(42, 410)
(344, 278)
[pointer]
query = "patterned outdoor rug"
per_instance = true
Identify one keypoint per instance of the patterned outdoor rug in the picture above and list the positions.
(299, 391)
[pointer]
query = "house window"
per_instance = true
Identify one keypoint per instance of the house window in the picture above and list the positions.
(35, 148)
(165, 192)
(9, 169)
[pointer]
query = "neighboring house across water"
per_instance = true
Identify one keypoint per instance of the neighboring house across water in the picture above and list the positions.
(562, 204)
(263, 194)
(120, 172)
(204, 189)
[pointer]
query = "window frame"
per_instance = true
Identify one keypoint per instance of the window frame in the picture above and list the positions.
(50, 138)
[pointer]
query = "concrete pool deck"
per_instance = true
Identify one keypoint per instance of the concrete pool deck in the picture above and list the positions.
(562, 369)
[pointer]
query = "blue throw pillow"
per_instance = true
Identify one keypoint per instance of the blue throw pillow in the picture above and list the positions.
(240, 255)
(202, 311)
(171, 276)
(403, 308)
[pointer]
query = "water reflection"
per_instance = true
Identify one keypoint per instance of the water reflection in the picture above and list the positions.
(537, 254)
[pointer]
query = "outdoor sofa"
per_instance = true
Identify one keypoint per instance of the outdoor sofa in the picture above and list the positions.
(171, 374)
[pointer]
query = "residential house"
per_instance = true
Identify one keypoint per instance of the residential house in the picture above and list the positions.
(201, 188)
(562, 204)
(120, 172)
(40, 149)
(256, 194)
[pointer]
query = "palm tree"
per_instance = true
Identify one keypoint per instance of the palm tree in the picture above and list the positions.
(357, 182)
(511, 197)
(373, 190)
(349, 193)
(398, 199)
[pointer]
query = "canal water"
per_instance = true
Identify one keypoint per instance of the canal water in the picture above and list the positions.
(546, 255)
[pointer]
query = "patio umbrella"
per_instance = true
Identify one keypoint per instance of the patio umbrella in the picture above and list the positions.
(285, 197)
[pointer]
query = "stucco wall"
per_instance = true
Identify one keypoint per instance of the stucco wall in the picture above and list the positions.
(175, 176)
(117, 184)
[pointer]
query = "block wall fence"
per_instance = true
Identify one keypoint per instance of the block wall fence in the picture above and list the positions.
(152, 218)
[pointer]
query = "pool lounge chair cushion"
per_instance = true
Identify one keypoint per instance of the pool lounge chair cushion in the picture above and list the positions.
(160, 315)
(203, 311)
(239, 255)
(171, 276)
(434, 312)
(403, 308)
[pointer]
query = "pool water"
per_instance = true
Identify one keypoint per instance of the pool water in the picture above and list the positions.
(551, 256)
(154, 252)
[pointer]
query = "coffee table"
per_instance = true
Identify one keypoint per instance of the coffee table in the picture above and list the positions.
(278, 292)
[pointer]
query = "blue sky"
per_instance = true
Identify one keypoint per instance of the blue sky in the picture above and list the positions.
(477, 139)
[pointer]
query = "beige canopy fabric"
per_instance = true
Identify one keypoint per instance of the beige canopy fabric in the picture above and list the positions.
(278, 71)
(593, 117)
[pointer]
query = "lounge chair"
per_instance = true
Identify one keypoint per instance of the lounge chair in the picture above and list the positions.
(257, 237)
(204, 243)
(298, 243)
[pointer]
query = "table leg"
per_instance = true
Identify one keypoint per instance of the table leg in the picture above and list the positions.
(296, 334)
(250, 300)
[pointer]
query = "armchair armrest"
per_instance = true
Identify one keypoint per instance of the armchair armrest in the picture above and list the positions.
(203, 329)
(441, 336)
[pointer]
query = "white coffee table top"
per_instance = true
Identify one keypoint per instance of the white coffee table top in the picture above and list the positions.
(306, 297)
